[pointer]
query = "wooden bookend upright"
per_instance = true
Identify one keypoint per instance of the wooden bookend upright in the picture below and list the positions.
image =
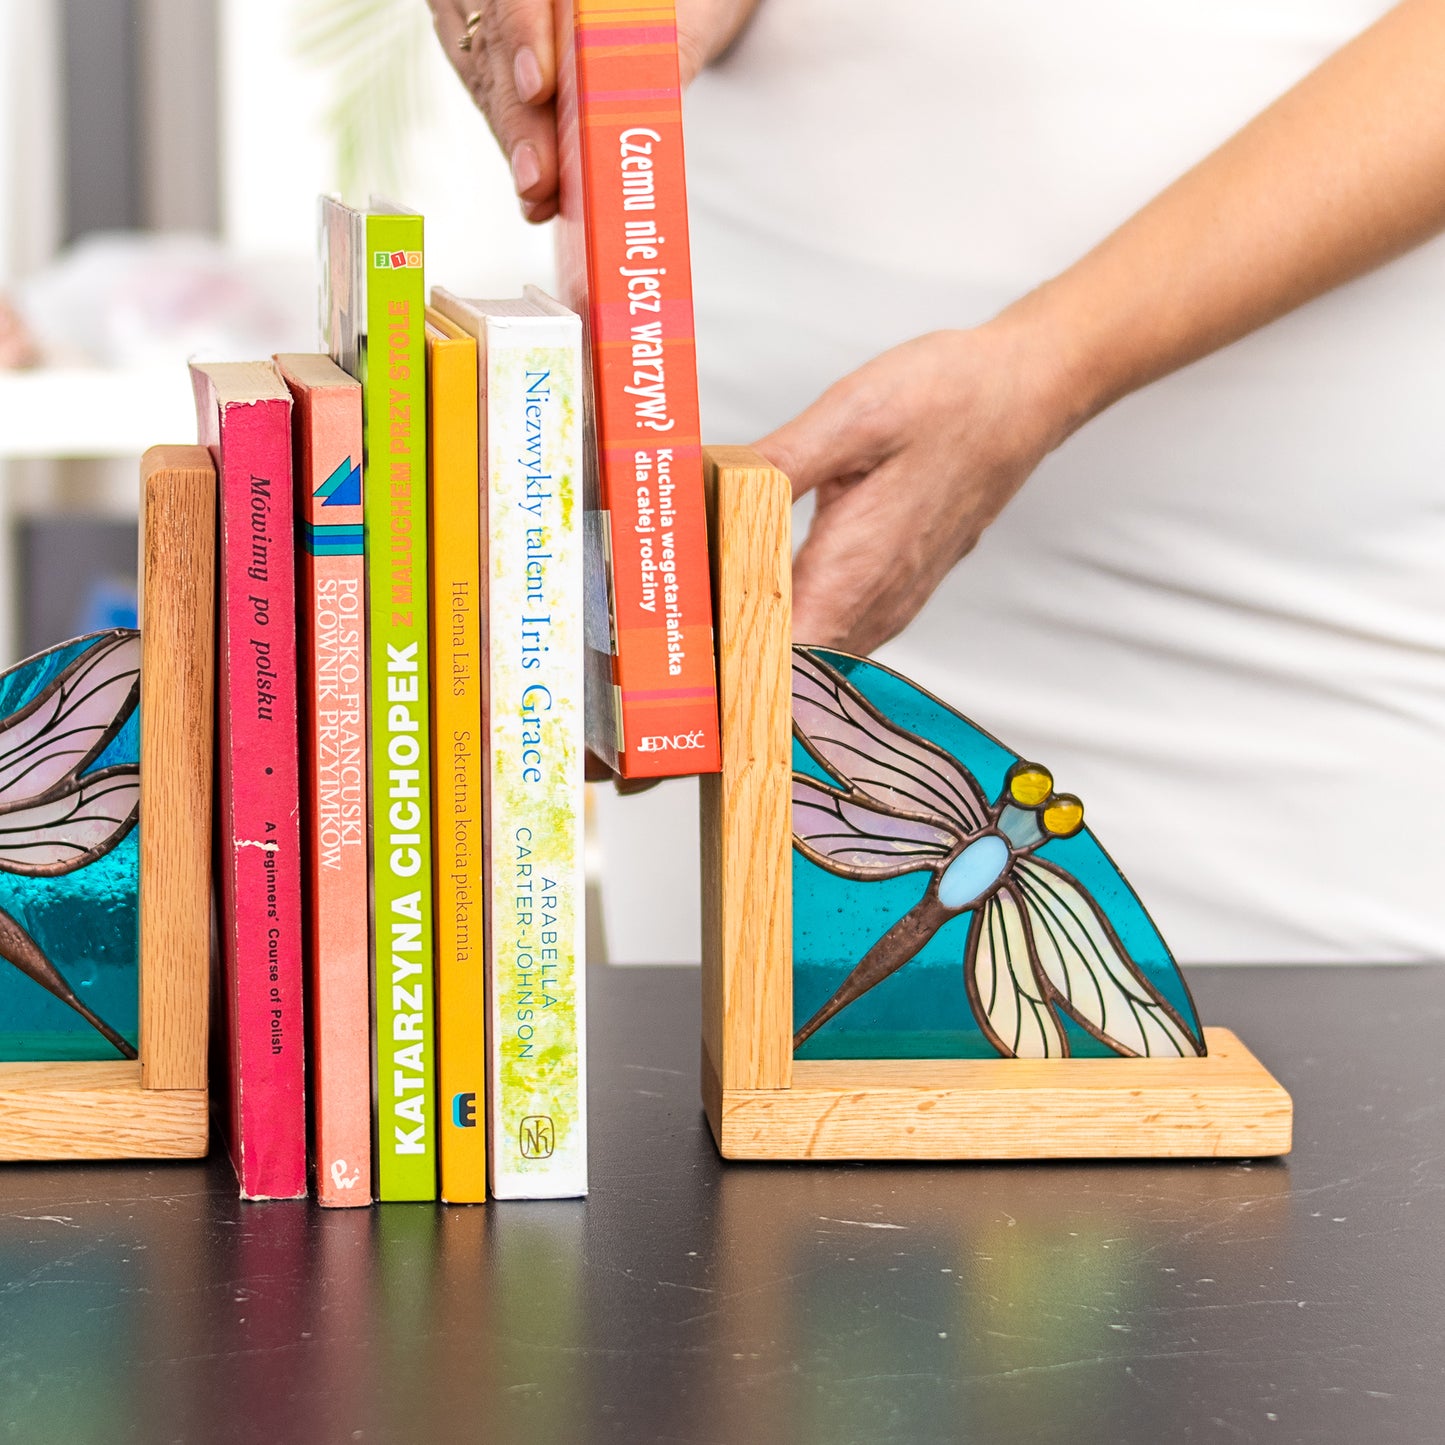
(155, 1107)
(764, 1104)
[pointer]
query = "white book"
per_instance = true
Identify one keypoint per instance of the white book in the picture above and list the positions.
(530, 381)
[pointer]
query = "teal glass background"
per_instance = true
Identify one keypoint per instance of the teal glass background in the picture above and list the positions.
(921, 1011)
(88, 921)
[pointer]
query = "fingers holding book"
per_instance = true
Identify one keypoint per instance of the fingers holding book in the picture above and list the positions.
(505, 55)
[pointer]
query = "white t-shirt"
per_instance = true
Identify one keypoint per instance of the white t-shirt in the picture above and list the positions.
(1218, 612)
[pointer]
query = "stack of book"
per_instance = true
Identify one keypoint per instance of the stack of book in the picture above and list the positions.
(459, 547)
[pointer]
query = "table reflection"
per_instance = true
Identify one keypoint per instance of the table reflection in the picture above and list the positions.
(979, 1295)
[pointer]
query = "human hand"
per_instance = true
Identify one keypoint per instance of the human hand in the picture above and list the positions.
(509, 65)
(909, 459)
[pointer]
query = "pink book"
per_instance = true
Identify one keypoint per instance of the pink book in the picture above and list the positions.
(326, 453)
(243, 412)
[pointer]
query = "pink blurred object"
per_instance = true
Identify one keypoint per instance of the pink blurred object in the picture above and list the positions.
(17, 345)
(127, 299)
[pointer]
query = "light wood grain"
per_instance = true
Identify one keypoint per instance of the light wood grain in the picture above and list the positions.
(157, 1107)
(178, 500)
(96, 1111)
(762, 1104)
(1226, 1104)
(747, 879)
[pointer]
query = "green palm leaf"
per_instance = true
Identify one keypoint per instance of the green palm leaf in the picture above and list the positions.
(372, 53)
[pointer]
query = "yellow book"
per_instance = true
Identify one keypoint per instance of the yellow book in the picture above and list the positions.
(458, 751)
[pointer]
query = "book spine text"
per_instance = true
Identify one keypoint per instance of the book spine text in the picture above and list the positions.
(625, 263)
(394, 378)
(535, 764)
(259, 788)
(457, 753)
(328, 492)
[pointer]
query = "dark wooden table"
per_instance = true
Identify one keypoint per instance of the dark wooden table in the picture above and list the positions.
(1299, 1301)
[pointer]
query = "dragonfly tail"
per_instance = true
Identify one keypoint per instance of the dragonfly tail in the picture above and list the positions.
(887, 956)
(19, 948)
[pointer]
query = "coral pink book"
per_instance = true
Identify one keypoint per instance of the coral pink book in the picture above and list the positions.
(624, 265)
(243, 413)
(331, 645)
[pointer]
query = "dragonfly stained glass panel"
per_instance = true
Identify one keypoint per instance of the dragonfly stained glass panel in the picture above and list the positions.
(69, 856)
(948, 902)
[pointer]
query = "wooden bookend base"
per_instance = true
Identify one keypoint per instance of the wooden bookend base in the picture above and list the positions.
(96, 1111)
(157, 1107)
(1225, 1105)
(761, 1103)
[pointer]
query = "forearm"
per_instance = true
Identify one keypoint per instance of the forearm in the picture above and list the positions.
(1344, 172)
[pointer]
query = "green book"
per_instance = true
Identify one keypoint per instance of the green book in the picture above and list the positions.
(374, 316)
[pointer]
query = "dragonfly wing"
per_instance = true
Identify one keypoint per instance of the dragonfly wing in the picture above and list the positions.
(888, 764)
(848, 834)
(72, 826)
(1009, 1001)
(66, 726)
(1091, 973)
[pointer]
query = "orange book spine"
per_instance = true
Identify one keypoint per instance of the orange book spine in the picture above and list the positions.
(327, 440)
(458, 752)
(625, 266)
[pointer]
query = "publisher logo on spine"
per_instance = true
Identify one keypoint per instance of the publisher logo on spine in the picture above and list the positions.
(537, 1136)
(676, 743)
(397, 260)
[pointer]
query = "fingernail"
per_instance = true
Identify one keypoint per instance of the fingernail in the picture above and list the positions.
(526, 167)
(527, 75)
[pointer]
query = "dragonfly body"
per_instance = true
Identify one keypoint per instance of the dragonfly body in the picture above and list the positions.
(961, 882)
(974, 873)
(1038, 948)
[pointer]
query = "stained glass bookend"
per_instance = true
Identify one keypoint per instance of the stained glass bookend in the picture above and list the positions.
(947, 902)
(105, 764)
(912, 945)
(69, 854)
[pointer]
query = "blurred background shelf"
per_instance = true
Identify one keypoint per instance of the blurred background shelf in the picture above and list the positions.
(204, 129)
(159, 164)
(70, 438)
(92, 412)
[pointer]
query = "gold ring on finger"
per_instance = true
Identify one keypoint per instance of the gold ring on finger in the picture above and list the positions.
(469, 34)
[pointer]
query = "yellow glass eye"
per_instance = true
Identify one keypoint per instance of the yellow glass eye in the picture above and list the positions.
(1029, 784)
(1063, 817)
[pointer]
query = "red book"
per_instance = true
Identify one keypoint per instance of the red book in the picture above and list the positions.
(624, 265)
(326, 453)
(243, 413)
